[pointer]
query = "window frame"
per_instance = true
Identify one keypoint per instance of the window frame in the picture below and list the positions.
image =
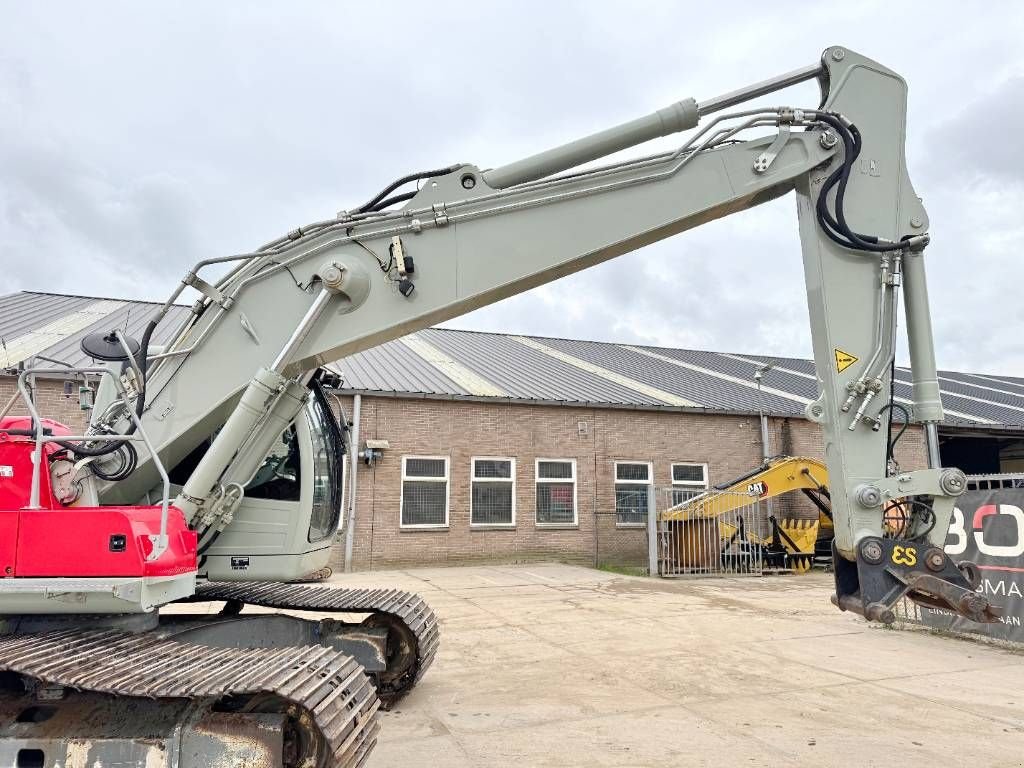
(616, 483)
(692, 485)
(537, 479)
(447, 494)
(474, 479)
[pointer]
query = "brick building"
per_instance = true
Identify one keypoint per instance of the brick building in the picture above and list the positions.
(504, 448)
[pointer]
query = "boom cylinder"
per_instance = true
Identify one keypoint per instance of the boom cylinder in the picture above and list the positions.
(263, 388)
(680, 116)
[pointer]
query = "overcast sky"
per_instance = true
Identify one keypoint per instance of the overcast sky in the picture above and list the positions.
(138, 138)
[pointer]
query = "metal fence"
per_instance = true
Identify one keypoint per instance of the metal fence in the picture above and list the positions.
(718, 534)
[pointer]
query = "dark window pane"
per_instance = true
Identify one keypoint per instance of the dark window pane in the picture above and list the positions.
(555, 503)
(492, 503)
(423, 503)
(631, 472)
(688, 473)
(424, 468)
(328, 465)
(631, 504)
(498, 468)
(554, 469)
(278, 477)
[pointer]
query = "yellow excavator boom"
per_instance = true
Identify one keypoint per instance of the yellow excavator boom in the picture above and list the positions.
(793, 540)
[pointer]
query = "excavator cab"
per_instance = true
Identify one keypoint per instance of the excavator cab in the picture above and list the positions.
(298, 480)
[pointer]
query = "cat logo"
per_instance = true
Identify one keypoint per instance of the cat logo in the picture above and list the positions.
(759, 489)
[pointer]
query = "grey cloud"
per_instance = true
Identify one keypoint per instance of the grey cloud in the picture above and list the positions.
(137, 139)
(981, 141)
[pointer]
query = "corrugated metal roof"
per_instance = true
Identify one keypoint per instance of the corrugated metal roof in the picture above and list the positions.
(22, 314)
(438, 362)
(715, 381)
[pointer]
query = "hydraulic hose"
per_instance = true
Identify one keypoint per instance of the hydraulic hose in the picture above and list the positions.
(140, 403)
(836, 227)
(376, 200)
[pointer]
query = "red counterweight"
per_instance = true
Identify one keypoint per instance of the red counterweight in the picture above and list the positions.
(61, 542)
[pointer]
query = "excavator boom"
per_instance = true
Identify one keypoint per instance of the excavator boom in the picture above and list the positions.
(700, 530)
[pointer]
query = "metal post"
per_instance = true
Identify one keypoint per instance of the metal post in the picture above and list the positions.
(931, 439)
(350, 523)
(37, 425)
(9, 404)
(652, 530)
(301, 331)
(763, 88)
(763, 418)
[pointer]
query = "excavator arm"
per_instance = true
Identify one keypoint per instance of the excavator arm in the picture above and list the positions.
(468, 237)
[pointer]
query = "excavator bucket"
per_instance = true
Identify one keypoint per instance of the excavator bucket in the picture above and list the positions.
(799, 538)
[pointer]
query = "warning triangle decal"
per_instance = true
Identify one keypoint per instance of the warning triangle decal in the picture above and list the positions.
(844, 360)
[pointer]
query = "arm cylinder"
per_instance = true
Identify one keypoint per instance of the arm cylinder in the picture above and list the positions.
(680, 116)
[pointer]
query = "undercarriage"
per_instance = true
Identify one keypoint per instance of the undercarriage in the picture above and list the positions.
(235, 687)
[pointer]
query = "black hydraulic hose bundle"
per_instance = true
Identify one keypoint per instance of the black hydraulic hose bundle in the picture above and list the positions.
(381, 199)
(836, 226)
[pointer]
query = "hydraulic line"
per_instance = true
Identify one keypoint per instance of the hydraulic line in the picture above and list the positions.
(380, 196)
(836, 228)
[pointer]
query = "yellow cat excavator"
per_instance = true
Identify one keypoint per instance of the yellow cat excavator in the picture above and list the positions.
(709, 531)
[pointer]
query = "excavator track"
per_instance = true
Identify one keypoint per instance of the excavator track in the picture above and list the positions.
(414, 634)
(326, 693)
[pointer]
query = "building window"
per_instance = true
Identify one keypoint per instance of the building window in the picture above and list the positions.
(424, 492)
(632, 484)
(688, 480)
(556, 491)
(493, 497)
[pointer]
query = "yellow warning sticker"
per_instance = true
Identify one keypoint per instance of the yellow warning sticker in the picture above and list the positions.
(844, 360)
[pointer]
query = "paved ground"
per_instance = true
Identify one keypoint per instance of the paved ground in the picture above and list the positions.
(552, 665)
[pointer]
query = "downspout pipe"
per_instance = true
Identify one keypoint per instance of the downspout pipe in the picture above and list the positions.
(353, 455)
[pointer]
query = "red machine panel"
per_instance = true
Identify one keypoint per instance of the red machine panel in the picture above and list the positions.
(8, 542)
(101, 541)
(62, 542)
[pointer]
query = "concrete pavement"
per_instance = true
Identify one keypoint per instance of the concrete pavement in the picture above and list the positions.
(554, 665)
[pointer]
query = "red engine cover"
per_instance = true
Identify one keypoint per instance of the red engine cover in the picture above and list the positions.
(66, 542)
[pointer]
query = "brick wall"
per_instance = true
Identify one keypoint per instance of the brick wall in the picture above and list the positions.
(595, 438)
(51, 402)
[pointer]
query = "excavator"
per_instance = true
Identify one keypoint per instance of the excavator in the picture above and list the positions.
(709, 531)
(209, 473)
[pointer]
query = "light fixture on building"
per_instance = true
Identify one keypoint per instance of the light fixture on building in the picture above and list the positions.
(373, 451)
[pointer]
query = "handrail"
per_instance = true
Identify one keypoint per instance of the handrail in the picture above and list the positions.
(159, 541)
